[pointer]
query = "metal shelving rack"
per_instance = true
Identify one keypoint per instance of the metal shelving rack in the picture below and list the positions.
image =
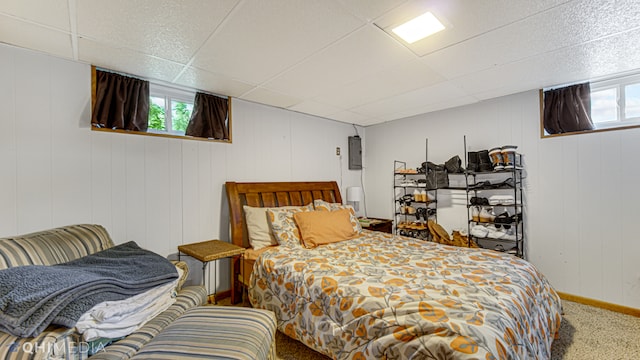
(403, 224)
(517, 206)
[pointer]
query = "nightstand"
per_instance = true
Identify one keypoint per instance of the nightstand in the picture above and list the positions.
(208, 251)
(375, 224)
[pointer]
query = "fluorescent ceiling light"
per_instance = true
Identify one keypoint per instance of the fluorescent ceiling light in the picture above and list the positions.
(418, 28)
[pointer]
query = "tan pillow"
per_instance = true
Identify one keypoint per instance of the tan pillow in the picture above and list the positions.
(320, 204)
(324, 227)
(258, 230)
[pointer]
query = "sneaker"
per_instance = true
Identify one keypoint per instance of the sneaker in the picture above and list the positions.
(408, 182)
(513, 251)
(486, 215)
(479, 231)
(475, 213)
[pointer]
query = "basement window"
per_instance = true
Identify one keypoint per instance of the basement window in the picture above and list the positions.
(169, 109)
(122, 103)
(615, 105)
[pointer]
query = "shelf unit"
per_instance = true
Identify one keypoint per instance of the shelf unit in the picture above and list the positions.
(504, 232)
(413, 204)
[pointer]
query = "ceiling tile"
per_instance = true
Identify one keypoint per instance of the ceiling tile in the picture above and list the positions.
(172, 30)
(363, 53)
(555, 29)
(53, 13)
(369, 10)
(31, 36)
(216, 83)
(389, 82)
(316, 108)
(404, 103)
(265, 96)
(583, 62)
(263, 38)
(127, 61)
(463, 19)
(354, 118)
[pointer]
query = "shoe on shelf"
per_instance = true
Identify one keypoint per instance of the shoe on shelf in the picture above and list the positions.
(479, 231)
(496, 158)
(478, 201)
(499, 247)
(475, 213)
(486, 215)
(503, 220)
(513, 251)
(406, 199)
(408, 182)
(484, 162)
(472, 161)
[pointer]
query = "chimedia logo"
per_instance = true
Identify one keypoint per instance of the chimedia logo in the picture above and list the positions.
(57, 348)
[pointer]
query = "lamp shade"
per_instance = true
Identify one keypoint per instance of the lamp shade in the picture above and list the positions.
(354, 194)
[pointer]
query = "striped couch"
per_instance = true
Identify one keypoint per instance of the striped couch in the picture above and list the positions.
(184, 330)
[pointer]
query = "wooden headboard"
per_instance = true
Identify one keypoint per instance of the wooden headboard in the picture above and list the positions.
(273, 194)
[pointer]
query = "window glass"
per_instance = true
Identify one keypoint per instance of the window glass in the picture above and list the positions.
(604, 105)
(180, 115)
(156, 114)
(632, 101)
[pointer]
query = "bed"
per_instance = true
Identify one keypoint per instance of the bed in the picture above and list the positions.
(382, 296)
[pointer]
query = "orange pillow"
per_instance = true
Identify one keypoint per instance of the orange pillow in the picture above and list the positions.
(324, 227)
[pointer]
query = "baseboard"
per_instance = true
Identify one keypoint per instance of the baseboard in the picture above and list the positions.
(600, 304)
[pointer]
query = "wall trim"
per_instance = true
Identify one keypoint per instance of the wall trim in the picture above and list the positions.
(600, 304)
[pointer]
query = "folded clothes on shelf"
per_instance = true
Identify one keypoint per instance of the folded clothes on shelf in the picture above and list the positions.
(491, 231)
(498, 199)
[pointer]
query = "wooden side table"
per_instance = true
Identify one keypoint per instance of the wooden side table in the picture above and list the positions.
(375, 224)
(208, 251)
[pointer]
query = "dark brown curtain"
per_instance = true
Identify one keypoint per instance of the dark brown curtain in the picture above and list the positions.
(568, 109)
(209, 117)
(122, 102)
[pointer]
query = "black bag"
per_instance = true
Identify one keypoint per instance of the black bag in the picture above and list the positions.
(437, 179)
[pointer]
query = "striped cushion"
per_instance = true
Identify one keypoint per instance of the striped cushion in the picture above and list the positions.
(65, 343)
(54, 343)
(216, 332)
(188, 298)
(53, 246)
(64, 244)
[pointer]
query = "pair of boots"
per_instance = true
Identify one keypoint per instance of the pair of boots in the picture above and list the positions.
(479, 161)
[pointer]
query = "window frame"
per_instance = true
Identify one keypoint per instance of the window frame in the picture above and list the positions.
(621, 123)
(159, 133)
(170, 94)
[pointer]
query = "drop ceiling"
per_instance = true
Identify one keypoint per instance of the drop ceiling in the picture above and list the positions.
(332, 58)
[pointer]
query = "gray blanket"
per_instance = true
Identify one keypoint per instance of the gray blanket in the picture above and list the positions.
(35, 296)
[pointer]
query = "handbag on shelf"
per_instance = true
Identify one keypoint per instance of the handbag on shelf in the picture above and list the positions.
(437, 179)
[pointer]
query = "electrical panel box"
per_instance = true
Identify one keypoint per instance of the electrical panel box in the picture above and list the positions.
(355, 153)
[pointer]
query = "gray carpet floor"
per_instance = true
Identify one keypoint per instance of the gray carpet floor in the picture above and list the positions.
(586, 333)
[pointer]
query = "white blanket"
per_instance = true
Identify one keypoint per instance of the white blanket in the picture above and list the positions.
(114, 319)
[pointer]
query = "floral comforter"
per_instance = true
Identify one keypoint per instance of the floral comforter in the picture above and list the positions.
(390, 297)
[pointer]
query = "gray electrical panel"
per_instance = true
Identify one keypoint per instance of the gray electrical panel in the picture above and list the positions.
(355, 153)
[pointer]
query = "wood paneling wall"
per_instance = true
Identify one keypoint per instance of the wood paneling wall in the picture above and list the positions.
(581, 191)
(159, 192)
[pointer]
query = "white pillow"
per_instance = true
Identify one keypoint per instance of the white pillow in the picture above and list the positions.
(258, 227)
(258, 230)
